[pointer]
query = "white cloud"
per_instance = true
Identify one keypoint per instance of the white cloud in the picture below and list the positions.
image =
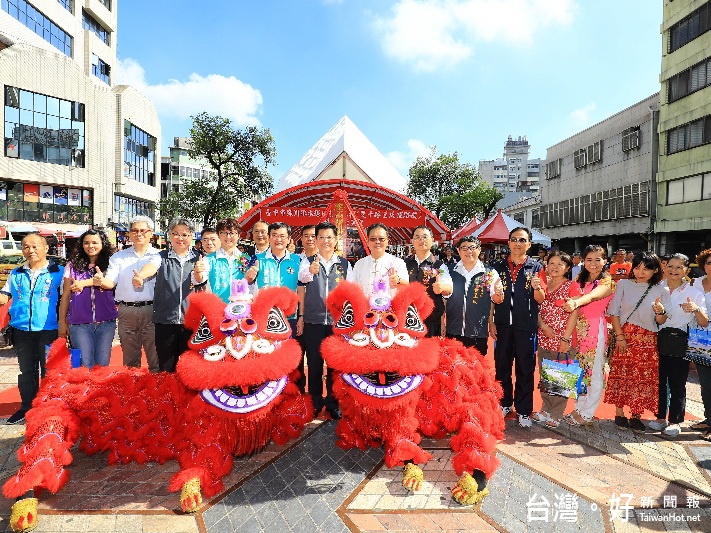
(403, 160)
(214, 93)
(431, 34)
(582, 114)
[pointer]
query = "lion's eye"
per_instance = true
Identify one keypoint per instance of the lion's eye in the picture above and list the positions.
(346, 321)
(203, 333)
(276, 322)
(412, 320)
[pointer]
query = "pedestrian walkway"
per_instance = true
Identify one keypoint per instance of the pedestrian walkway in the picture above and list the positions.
(572, 479)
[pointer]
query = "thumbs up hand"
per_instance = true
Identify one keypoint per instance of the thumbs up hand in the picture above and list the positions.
(393, 277)
(252, 272)
(657, 306)
(315, 266)
(137, 280)
(200, 265)
(689, 307)
(98, 277)
(76, 286)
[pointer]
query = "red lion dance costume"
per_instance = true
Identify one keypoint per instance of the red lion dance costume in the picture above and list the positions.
(232, 393)
(395, 385)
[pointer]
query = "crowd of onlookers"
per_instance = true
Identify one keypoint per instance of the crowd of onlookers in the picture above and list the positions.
(631, 315)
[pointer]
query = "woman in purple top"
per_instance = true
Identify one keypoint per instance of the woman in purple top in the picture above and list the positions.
(87, 313)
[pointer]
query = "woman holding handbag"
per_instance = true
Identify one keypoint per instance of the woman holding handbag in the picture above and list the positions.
(87, 313)
(636, 311)
(597, 288)
(556, 330)
(704, 285)
(687, 305)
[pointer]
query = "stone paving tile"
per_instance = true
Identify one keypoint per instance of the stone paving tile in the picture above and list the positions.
(300, 491)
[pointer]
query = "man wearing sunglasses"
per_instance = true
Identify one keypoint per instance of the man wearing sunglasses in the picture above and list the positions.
(379, 265)
(515, 324)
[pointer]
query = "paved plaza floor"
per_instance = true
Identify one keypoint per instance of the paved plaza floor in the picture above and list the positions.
(572, 479)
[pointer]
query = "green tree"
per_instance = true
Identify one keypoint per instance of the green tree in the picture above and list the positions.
(239, 158)
(452, 190)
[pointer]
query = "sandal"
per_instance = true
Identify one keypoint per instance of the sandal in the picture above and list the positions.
(706, 436)
(541, 417)
(701, 426)
(575, 419)
(552, 423)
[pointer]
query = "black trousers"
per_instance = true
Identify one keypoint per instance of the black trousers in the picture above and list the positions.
(30, 348)
(171, 342)
(705, 381)
(515, 346)
(311, 340)
(673, 372)
(480, 343)
(434, 327)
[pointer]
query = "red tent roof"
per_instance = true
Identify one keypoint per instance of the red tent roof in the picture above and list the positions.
(304, 204)
(466, 229)
(495, 229)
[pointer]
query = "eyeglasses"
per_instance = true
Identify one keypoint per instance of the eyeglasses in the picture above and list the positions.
(521, 240)
(181, 235)
(279, 237)
(420, 237)
(229, 233)
(468, 248)
(377, 239)
(139, 231)
(329, 238)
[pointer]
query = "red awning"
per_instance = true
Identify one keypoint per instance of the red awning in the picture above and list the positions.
(466, 229)
(306, 204)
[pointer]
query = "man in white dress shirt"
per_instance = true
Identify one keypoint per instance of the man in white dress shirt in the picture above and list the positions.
(134, 294)
(379, 264)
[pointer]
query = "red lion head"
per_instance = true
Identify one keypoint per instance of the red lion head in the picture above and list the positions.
(379, 344)
(240, 354)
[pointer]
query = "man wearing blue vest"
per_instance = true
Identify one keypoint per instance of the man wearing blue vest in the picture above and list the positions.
(516, 323)
(34, 289)
(276, 267)
(318, 276)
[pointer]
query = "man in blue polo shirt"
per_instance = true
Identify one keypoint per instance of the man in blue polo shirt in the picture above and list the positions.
(34, 289)
(276, 267)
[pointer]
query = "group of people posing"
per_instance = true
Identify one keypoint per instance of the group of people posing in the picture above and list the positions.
(534, 309)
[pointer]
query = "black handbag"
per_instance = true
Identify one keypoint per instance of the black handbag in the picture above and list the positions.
(6, 334)
(672, 342)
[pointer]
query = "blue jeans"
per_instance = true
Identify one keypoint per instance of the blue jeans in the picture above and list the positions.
(94, 341)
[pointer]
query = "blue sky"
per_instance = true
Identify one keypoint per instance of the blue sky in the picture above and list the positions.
(458, 74)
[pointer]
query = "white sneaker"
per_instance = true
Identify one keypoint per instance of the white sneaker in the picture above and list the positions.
(506, 410)
(672, 431)
(657, 425)
(524, 421)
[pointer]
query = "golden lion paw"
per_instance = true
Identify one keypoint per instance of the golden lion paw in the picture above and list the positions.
(466, 491)
(23, 516)
(190, 497)
(412, 477)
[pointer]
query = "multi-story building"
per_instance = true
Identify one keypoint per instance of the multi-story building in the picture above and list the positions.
(514, 172)
(77, 148)
(683, 222)
(600, 183)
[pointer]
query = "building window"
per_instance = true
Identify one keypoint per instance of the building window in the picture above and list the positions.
(91, 24)
(553, 169)
(689, 28)
(107, 4)
(67, 4)
(689, 189)
(36, 21)
(689, 135)
(126, 208)
(139, 154)
(31, 202)
(580, 158)
(689, 81)
(630, 139)
(100, 69)
(43, 128)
